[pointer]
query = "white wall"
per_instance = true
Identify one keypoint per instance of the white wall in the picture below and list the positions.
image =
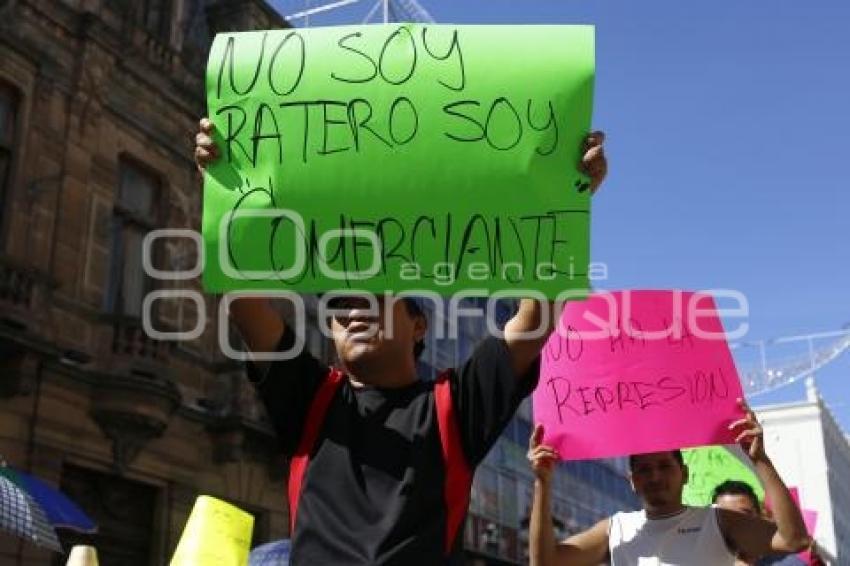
(794, 440)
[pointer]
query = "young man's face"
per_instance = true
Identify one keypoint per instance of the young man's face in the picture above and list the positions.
(736, 502)
(371, 335)
(658, 479)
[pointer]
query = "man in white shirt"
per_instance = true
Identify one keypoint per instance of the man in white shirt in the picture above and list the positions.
(666, 532)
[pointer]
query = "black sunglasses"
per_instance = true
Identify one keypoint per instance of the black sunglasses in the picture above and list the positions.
(351, 303)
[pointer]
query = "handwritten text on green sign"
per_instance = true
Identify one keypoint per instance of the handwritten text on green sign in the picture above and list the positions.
(399, 157)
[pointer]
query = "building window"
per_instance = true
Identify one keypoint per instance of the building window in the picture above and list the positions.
(156, 18)
(8, 122)
(134, 215)
(124, 511)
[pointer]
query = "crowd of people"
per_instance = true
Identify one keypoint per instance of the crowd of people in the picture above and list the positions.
(382, 462)
(732, 531)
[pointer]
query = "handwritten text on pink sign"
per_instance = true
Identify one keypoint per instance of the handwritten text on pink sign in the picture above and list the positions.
(637, 371)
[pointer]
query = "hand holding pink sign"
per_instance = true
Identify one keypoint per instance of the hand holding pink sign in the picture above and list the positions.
(637, 371)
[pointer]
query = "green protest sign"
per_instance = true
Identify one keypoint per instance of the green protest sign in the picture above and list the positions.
(708, 467)
(399, 157)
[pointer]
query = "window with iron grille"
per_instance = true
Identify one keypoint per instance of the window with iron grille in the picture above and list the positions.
(134, 215)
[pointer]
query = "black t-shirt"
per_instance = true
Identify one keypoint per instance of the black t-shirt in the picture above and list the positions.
(373, 491)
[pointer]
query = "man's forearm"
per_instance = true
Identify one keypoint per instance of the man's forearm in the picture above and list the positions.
(260, 325)
(789, 522)
(534, 314)
(526, 333)
(541, 535)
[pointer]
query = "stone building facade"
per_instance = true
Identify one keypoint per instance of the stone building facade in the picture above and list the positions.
(99, 101)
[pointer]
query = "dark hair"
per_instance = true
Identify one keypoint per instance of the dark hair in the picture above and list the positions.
(677, 455)
(415, 310)
(735, 487)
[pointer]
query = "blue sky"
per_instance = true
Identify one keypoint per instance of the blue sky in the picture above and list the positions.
(728, 141)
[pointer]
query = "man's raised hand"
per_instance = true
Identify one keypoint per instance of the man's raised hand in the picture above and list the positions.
(205, 150)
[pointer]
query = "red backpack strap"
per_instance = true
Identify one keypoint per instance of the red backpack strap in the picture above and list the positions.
(312, 426)
(458, 473)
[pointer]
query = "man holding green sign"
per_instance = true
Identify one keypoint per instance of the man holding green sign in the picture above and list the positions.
(395, 158)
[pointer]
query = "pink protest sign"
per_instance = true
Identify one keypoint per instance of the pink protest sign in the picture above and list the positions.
(637, 371)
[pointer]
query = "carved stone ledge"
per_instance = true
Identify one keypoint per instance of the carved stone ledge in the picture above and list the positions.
(131, 411)
(130, 341)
